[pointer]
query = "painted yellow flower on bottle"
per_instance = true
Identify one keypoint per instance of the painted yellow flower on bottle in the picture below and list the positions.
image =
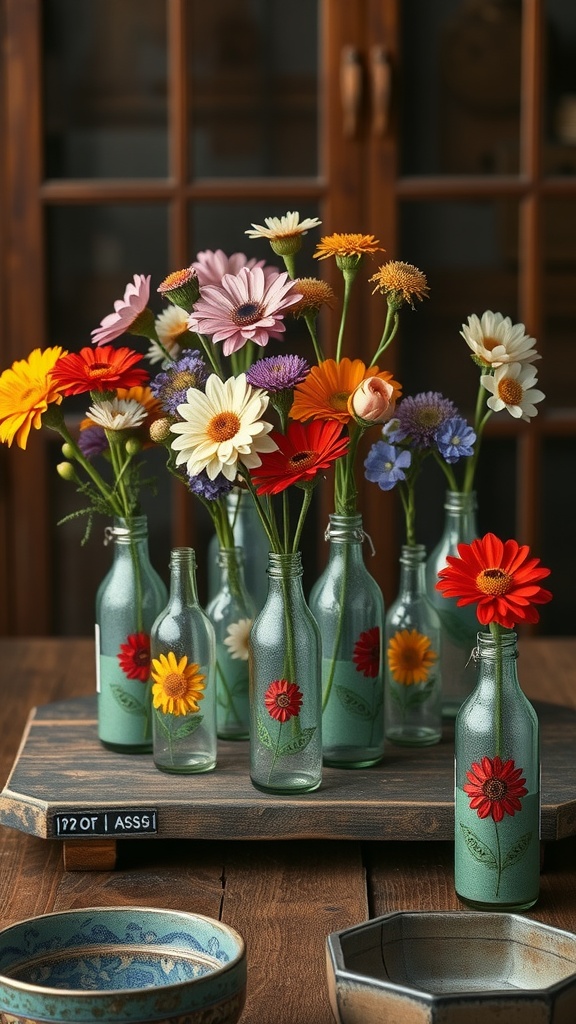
(178, 685)
(410, 657)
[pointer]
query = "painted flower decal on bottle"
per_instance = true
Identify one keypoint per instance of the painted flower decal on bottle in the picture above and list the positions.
(134, 657)
(283, 702)
(366, 654)
(178, 688)
(411, 660)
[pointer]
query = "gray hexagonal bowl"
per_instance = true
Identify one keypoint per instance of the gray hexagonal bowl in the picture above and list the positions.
(452, 967)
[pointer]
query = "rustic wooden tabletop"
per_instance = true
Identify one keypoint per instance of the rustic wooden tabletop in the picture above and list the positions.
(284, 896)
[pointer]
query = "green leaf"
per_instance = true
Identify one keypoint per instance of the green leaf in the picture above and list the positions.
(188, 727)
(516, 852)
(297, 743)
(420, 695)
(126, 701)
(353, 703)
(482, 853)
(263, 735)
(161, 721)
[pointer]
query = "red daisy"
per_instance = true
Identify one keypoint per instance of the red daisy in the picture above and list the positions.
(501, 577)
(366, 654)
(99, 369)
(134, 657)
(302, 452)
(495, 788)
(283, 700)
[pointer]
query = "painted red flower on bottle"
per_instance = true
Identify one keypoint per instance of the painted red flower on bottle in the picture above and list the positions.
(366, 655)
(134, 657)
(495, 787)
(283, 700)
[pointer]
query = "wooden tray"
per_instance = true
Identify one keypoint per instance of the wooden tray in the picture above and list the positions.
(64, 785)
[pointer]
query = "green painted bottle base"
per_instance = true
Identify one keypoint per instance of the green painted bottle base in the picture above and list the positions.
(413, 736)
(508, 908)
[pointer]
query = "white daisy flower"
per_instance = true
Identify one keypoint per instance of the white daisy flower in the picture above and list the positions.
(237, 639)
(118, 414)
(495, 340)
(170, 325)
(511, 388)
(222, 427)
(283, 227)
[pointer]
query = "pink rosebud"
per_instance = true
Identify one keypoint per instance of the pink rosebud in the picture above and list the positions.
(373, 401)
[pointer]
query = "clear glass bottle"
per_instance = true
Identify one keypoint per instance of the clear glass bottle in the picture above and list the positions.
(183, 649)
(127, 602)
(250, 537)
(459, 625)
(348, 606)
(285, 686)
(497, 790)
(232, 614)
(412, 698)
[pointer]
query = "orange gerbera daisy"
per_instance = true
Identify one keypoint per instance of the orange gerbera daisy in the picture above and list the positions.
(501, 577)
(495, 788)
(302, 452)
(98, 369)
(27, 388)
(346, 245)
(410, 657)
(324, 394)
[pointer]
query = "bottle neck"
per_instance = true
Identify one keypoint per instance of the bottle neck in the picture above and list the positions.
(460, 515)
(496, 658)
(127, 535)
(284, 570)
(413, 569)
(230, 562)
(183, 576)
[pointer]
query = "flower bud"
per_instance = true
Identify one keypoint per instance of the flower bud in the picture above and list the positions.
(160, 430)
(66, 471)
(372, 401)
(133, 446)
(67, 450)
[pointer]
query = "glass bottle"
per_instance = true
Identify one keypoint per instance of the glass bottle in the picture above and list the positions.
(412, 700)
(250, 537)
(285, 686)
(348, 606)
(232, 614)
(458, 625)
(127, 602)
(183, 650)
(497, 791)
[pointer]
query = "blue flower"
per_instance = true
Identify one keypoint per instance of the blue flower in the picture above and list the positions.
(385, 465)
(275, 373)
(455, 439)
(92, 441)
(419, 417)
(170, 387)
(208, 489)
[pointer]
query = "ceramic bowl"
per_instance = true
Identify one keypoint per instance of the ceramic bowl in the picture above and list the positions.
(452, 968)
(129, 964)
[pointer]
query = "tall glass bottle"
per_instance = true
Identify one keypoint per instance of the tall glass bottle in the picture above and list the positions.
(412, 699)
(250, 537)
(459, 625)
(285, 686)
(497, 791)
(348, 606)
(183, 650)
(232, 614)
(127, 602)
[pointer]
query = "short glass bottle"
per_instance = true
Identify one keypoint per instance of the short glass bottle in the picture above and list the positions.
(348, 606)
(250, 537)
(458, 624)
(412, 698)
(232, 613)
(285, 686)
(127, 602)
(497, 790)
(183, 650)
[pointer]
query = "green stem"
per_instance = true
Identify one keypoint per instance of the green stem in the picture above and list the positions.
(231, 705)
(339, 627)
(388, 334)
(348, 282)
(496, 631)
(447, 470)
(311, 325)
(308, 491)
(107, 492)
(480, 422)
(498, 859)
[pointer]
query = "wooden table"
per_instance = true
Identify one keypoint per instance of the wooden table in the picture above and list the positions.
(283, 896)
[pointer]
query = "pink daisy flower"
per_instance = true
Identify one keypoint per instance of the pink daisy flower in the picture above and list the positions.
(126, 311)
(248, 306)
(212, 264)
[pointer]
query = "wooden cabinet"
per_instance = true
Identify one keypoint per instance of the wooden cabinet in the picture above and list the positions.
(137, 134)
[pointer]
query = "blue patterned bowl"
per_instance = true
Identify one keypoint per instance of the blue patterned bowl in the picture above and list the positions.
(121, 964)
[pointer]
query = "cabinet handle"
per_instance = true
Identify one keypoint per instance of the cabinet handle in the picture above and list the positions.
(350, 89)
(381, 72)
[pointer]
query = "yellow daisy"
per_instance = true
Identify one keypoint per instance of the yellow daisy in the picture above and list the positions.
(26, 391)
(410, 657)
(178, 685)
(315, 294)
(346, 245)
(402, 281)
(325, 392)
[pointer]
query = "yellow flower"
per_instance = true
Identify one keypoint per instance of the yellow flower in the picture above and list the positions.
(346, 246)
(325, 392)
(403, 282)
(410, 657)
(26, 391)
(315, 294)
(178, 685)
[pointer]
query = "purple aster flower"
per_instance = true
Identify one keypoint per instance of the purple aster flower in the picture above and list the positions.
(419, 417)
(277, 373)
(455, 439)
(385, 465)
(92, 441)
(170, 386)
(208, 489)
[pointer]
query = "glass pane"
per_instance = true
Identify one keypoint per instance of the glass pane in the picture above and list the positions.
(468, 252)
(460, 86)
(254, 88)
(557, 380)
(105, 107)
(560, 123)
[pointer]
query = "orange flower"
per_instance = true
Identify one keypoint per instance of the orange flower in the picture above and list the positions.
(27, 388)
(410, 657)
(346, 245)
(101, 369)
(325, 392)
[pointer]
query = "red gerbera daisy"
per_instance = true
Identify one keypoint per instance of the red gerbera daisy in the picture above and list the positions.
(99, 369)
(283, 700)
(495, 788)
(366, 654)
(501, 577)
(302, 452)
(134, 657)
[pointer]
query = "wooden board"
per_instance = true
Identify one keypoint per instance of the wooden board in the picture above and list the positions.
(62, 773)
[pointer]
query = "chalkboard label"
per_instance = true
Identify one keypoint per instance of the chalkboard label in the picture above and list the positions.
(115, 824)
